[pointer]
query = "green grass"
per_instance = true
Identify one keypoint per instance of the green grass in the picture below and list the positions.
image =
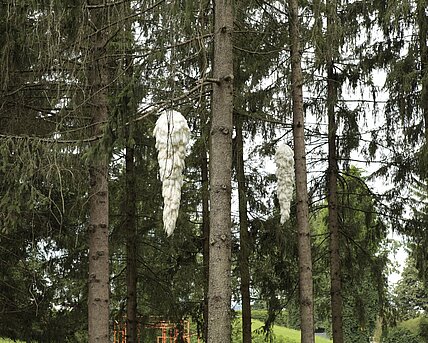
(290, 334)
(413, 325)
(7, 340)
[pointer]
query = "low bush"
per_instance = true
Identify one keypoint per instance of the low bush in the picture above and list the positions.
(401, 335)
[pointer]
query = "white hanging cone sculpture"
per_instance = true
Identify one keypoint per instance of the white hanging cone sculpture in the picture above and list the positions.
(172, 135)
(284, 159)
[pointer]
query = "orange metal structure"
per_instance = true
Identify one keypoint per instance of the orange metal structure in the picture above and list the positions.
(168, 332)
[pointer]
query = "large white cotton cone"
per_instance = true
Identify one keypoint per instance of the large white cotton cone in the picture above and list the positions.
(284, 159)
(172, 135)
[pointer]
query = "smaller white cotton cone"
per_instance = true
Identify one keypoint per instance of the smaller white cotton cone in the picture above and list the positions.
(172, 135)
(284, 159)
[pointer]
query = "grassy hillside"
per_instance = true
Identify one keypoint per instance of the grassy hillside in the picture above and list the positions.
(417, 326)
(414, 325)
(286, 335)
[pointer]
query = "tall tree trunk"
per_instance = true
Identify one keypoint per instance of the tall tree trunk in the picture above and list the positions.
(333, 216)
(304, 236)
(219, 287)
(130, 206)
(131, 246)
(423, 50)
(205, 234)
(332, 176)
(244, 251)
(98, 293)
(203, 61)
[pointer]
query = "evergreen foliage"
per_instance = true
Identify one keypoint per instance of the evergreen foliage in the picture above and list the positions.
(363, 260)
(159, 56)
(411, 294)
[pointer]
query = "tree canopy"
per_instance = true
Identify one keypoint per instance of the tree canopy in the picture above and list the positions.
(82, 84)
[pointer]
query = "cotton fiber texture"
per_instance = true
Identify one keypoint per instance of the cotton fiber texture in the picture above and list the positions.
(284, 159)
(172, 135)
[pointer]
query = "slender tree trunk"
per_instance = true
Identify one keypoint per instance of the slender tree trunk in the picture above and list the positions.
(130, 197)
(304, 236)
(244, 252)
(203, 61)
(333, 216)
(332, 176)
(131, 247)
(219, 287)
(423, 50)
(205, 234)
(98, 293)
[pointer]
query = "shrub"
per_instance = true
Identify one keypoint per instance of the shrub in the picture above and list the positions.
(423, 328)
(400, 335)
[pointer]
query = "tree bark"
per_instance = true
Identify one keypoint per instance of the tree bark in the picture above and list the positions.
(219, 287)
(131, 247)
(205, 234)
(130, 196)
(99, 288)
(423, 50)
(332, 176)
(244, 251)
(304, 236)
(333, 216)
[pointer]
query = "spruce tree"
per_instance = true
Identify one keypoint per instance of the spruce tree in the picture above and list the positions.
(405, 59)
(304, 235)
(333, 174)
(98, 227)
(244, 242)
(219, 286)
